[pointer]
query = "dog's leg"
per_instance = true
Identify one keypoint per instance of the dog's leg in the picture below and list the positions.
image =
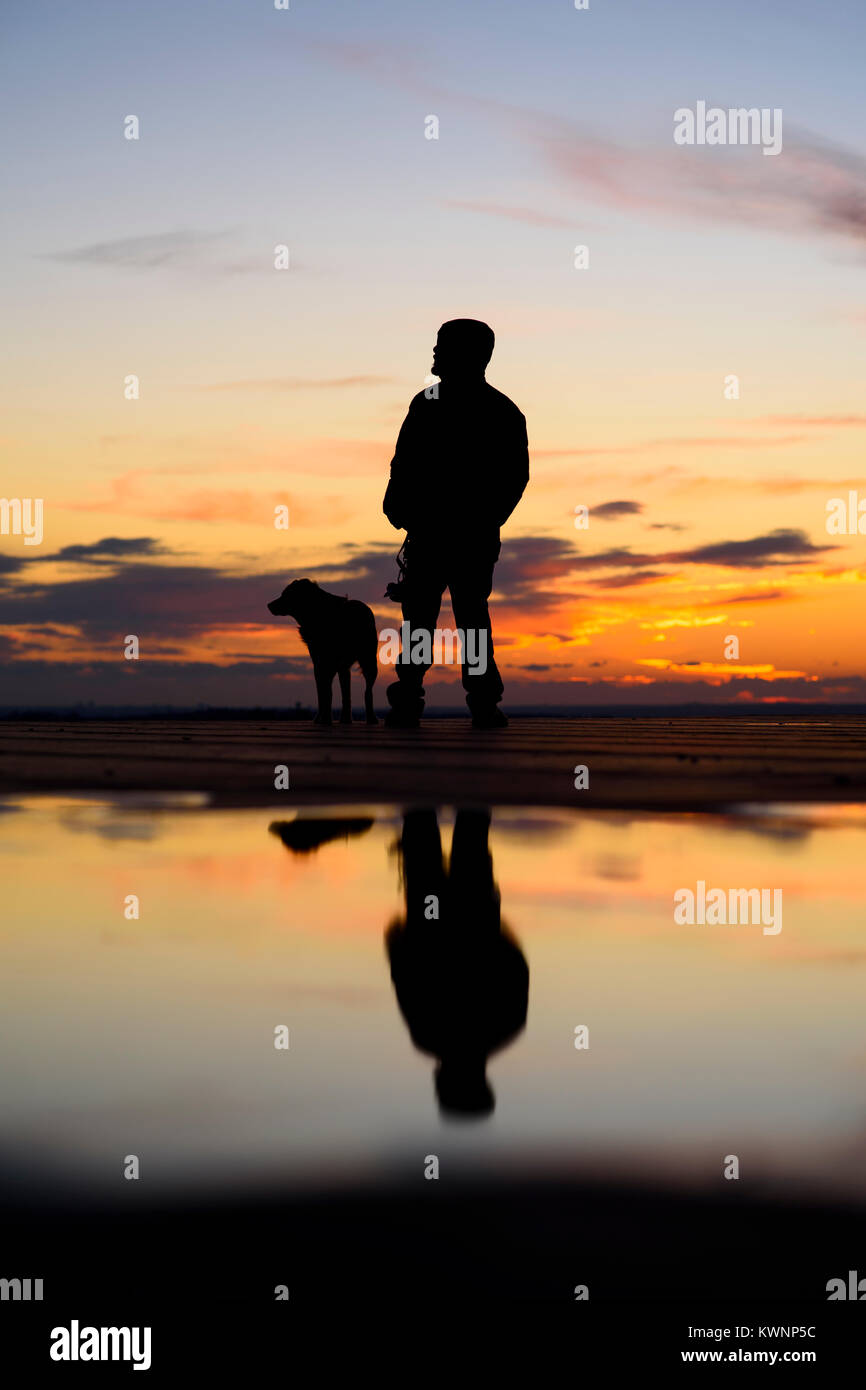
(345, 695)
(323, 692)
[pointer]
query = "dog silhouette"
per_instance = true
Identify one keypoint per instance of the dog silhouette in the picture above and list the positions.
(338, 632)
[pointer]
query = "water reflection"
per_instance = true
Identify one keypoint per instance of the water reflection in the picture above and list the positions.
(155, 1035)
(308, 833)
(461, 979)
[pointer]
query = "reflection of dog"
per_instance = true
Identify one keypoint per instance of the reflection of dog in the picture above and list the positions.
(338, 632)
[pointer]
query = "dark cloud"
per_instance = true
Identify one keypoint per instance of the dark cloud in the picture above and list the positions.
(277, 682)
(110, 548)
(781, 547)
(156, 599)
(131, 588)
(627, 581)
(759, 596)
(618, 557)
(778, 548)
(371, 566)
(528, 566)
(169, 599)
(45, 630)
(152, 252)
(612, 511)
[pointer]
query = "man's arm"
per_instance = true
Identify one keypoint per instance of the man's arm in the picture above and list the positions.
(396, 504)
(515, 469)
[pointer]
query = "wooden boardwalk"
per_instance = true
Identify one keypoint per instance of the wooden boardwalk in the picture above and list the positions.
(677, 763)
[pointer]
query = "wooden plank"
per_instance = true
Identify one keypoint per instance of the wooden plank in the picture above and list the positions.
(670, 763)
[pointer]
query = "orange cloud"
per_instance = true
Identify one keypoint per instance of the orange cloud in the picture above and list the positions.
(298, 383)
(130, 497)
(722, 668)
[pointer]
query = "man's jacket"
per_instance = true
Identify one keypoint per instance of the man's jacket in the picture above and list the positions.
(461, 463)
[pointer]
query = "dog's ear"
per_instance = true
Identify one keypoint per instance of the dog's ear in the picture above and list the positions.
(296, 596)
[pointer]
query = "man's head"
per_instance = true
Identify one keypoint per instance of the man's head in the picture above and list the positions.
(462, 1088)
(463, 349)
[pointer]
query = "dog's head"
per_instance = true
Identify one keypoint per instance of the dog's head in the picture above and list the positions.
(296, 599)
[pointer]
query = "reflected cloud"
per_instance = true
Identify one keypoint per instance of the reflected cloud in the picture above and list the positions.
(617, 868)
(543, 827)
(108, 824)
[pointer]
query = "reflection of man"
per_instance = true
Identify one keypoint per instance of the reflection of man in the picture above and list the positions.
(461, 979)
(459, 470)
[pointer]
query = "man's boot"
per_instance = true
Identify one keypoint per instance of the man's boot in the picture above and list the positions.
(407, 706)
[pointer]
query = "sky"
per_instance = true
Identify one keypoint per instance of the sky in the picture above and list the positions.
(262, 387)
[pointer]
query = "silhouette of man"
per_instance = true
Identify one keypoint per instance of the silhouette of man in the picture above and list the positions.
(461, 979)
(460, 468)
